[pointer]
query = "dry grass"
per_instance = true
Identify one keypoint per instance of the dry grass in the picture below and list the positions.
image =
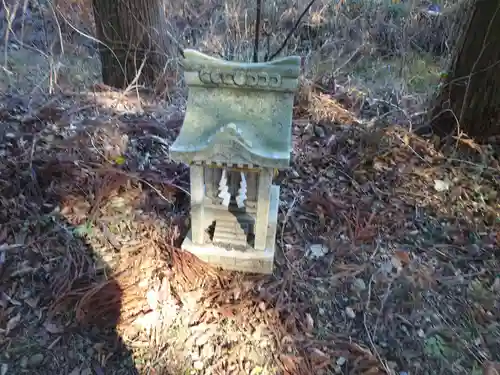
(389, 247)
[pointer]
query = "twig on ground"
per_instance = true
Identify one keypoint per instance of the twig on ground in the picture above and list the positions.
(288, 214)
(7, 247)
(370, 339)
(135, 176)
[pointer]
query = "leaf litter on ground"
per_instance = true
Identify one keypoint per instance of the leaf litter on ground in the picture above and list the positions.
(404, 241)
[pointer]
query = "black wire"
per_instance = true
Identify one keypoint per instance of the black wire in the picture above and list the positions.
(292, 31)
(257, 32)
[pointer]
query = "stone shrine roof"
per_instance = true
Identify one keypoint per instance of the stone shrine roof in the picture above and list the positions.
(237, 113)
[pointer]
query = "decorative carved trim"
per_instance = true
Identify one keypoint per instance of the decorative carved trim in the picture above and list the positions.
(240, 78)
(238, 155)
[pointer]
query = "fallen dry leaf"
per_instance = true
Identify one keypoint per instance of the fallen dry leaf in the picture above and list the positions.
(12, 300)
(309, 323)
(319, 359)
(32, 302)
(491, 368)
(152, 298)
(227, 312)
(289, 362)
(403, 256)
(13, 323)
(148, 321)
(316, 353)
(53, 328)
(203, 339)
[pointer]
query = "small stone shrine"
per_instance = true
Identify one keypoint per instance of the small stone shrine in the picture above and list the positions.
(236, 134)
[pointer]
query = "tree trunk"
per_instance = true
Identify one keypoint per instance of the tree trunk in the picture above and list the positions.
(469, 98)
(133, 33)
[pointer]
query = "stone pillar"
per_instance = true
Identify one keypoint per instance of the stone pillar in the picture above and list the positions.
(252, 186)
(209, 183)
(263, 203)
(197, 201)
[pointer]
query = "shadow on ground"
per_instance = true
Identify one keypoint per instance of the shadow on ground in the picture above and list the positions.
(59, 308)
(93, 214)
(62, 297)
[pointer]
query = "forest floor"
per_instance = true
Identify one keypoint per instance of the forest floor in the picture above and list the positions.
(388, 247)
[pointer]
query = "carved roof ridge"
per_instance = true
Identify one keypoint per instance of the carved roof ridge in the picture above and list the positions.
(230, 132)
(289, 66)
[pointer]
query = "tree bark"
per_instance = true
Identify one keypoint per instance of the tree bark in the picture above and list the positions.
(469, 98)
(132, 33)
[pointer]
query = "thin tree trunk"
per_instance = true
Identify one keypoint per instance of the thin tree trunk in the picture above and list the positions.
(133, 32)
(469, 99)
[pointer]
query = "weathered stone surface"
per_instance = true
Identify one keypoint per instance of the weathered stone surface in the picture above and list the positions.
(237, 113)
(236, 134)
(249, 260)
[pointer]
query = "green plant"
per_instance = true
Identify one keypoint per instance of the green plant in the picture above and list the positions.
(84, 229)
(436, 347)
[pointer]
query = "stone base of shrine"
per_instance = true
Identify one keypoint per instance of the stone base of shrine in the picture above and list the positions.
(249, 260)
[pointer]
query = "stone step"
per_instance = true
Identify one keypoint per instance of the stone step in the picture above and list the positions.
(223, 235)
(235, 229)
(240, 243)
(230, 216)
(234, 226)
